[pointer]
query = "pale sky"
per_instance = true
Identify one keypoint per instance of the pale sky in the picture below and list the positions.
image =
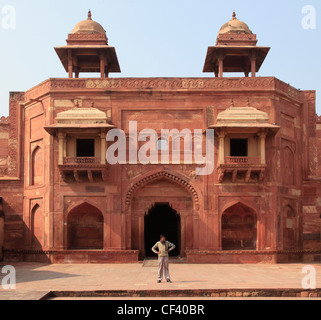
(167, 38)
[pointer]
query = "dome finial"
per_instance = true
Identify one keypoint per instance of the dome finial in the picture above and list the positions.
(234, 15)
(89, 15)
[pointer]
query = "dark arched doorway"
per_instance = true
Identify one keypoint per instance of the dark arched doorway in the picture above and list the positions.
(85, 228)
(162, 219)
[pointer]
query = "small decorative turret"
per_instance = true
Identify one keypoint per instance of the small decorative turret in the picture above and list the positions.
(87, 50)
(236, 50)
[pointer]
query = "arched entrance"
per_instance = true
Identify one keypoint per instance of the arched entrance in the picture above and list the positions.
(175, 195)
(162, 219)
(85, 228)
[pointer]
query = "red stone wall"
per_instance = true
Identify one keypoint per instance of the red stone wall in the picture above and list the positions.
(291, 180)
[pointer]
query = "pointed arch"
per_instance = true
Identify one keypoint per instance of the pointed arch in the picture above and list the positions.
(239, 227)
(163, 174)
(289, 227)
(36, 166)
(288, 173)
(79, 203)
(85, 227)
(244, 203)
(37, 227)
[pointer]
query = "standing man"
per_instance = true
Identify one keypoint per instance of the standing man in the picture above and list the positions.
(162, 248)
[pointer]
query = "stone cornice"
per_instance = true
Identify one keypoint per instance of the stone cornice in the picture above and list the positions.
(164, 84)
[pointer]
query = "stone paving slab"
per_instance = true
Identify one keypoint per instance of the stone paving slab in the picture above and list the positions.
(24, 295)
(34, 280)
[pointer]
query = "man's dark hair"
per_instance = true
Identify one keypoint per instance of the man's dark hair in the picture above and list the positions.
(162, 236)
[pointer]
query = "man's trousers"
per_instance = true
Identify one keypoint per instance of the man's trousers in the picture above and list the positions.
(163, 268)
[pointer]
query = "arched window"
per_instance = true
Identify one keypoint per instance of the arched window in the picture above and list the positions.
(288, 166)
(37, 171)
(289, 228)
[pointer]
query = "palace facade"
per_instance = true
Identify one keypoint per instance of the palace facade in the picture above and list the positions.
(63, 203)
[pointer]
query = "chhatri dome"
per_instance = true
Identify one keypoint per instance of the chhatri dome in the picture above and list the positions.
(87, 50)
(235, 26)
(88, 26)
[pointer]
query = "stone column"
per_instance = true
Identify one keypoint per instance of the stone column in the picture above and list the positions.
(65, 146)
(61, 138)
(220, 65)
(222, 135)
(102, 65)
(262, 147)
(70, 71)
(253, 65)
(103, 147)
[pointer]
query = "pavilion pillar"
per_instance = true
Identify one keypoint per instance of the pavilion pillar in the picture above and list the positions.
(220, 65)
(253, 65)
(222, 135)
(262, 146)
(61, 139)
(103, 148)
(216, 71)
(102, 65)
(70, 71)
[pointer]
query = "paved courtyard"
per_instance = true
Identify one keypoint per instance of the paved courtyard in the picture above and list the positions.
(35, 280)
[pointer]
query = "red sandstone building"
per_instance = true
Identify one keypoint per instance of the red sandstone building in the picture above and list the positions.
(63, 203)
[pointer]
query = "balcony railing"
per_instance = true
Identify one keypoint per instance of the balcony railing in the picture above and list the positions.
(243, 160)
(81, 160)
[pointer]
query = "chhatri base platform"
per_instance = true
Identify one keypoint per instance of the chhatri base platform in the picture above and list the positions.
(39, 281)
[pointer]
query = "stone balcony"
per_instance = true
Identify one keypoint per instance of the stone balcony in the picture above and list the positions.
(242, 169)
(239, 161)
(83, 169)
(81, 161)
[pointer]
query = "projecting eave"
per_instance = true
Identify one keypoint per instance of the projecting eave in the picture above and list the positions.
(234, 53)
(113, 64)
(271, 127)
(53, 129)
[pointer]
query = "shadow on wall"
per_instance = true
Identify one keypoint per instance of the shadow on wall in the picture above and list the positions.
(85, 231)
(19, 242)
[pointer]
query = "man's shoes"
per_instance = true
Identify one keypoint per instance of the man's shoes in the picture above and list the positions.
(169, 281)
(159, 281)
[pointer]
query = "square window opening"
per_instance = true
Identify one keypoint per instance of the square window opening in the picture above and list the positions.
(86, 148)
(239, 147)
